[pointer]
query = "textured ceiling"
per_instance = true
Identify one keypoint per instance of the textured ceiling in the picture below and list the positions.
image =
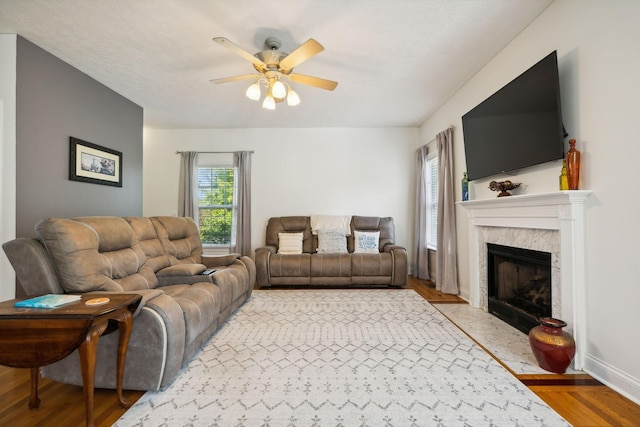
(396, 61)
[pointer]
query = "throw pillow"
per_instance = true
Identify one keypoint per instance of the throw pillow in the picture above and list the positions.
(366, 242)
(332, 242)
(290, 243)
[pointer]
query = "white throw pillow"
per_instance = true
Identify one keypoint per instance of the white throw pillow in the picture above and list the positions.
(366, 242)
(290, 243)
(332, 242)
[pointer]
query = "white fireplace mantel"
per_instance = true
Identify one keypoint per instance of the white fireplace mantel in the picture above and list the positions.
(561, 211)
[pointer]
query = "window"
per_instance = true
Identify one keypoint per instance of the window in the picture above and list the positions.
(216, 186)
(432, 200)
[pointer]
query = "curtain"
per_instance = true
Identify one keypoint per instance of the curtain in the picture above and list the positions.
(446, 258)
(187, 193)
(420, 249)
(241, 236)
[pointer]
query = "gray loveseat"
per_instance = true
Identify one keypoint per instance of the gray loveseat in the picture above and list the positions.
(387, 266)
(159, 258)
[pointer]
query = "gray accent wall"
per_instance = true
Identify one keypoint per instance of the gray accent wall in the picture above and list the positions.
(55, 101)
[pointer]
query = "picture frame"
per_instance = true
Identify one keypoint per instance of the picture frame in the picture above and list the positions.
(94, 164)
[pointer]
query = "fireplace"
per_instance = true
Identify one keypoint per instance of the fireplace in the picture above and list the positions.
(551, 222)
(519, 285)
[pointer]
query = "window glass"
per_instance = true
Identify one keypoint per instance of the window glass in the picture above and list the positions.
(215, 203)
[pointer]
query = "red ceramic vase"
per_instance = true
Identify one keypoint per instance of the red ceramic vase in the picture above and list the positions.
(553, 348)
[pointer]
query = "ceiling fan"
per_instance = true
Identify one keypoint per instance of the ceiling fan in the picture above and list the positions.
(274, 69)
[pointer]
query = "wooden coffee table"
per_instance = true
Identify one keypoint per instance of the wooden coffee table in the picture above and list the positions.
(35, 337)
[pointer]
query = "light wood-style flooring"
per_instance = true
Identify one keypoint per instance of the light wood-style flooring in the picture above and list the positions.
(580, 399)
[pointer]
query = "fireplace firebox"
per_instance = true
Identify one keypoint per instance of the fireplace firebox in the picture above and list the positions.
(519, 285)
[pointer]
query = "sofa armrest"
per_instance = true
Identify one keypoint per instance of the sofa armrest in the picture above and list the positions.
(182, 274)
(33, 266)
(391, 247)
(400, 266)
(181, 270)
(219, 260)
(262, 265)
(147, 295)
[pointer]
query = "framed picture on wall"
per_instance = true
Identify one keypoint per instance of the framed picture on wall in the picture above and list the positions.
(93, 163)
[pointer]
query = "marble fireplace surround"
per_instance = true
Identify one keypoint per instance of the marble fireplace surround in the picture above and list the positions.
(549, 222)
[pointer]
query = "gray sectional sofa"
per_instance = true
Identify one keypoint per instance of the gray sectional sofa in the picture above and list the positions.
(159, 258)
(386, 265)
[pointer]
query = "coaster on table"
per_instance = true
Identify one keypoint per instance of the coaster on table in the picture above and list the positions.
(97, 301)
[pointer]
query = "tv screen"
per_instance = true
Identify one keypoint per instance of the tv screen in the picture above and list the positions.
(518, 126)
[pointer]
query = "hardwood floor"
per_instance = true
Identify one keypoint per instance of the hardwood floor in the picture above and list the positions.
(582, 400)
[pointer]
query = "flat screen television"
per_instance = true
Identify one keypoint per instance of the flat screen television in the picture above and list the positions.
(518, 126)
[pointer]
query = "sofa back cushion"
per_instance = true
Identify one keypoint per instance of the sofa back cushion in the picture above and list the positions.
(151, 245)
(180, 239)
(290, 224)
(372, 223)
(96, 254)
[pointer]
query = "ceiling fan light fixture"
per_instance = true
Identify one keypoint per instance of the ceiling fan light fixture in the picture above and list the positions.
(269, 103)
(275, 70)
(278, 90)
(253, 91)
(292, 98)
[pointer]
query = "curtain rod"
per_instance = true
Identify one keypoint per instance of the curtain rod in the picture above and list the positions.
(213, 152)
(434, 139)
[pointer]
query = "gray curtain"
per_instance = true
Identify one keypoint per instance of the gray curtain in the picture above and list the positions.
(446, 258)
(187, 192)
(241, 238)
(420, 250)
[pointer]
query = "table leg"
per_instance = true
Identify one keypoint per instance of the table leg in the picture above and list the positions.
(125, 325)
(88, 350)
(34, 402)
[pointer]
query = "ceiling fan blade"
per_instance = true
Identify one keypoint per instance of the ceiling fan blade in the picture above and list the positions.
(305, 51)
(240, 51)
(313, 81)
(236, 78)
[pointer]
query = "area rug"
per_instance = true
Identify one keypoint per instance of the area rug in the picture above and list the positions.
(341, 358)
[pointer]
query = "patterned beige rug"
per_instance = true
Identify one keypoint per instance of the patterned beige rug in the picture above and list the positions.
(341, 358)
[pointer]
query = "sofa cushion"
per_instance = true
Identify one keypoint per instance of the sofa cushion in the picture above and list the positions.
(290, 224)
(331, 265)
(200, 304)
(149, 242)
(96, 254)
(366, 242)
(380, 264)
(180, 238)
(290, 265)
(332, 242)
(372, 223)
(290, 243)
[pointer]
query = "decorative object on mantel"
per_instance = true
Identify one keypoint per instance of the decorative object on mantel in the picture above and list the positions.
(465, 187)
(573, 165)
(553, 348)
(504, 187)
(564, 179)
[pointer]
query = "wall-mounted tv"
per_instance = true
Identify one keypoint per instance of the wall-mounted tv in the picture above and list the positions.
(518, 126)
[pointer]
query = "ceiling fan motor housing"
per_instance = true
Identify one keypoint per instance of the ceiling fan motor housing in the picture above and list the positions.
(271, 56)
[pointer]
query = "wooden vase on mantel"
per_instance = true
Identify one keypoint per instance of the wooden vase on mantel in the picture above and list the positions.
(573, 165)
(553, 348)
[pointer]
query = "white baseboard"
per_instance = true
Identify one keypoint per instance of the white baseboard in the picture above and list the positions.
(464, 294)
(614, 378)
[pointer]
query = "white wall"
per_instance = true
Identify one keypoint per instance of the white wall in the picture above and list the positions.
(336, 171)
(599, 63)
(8, 52)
